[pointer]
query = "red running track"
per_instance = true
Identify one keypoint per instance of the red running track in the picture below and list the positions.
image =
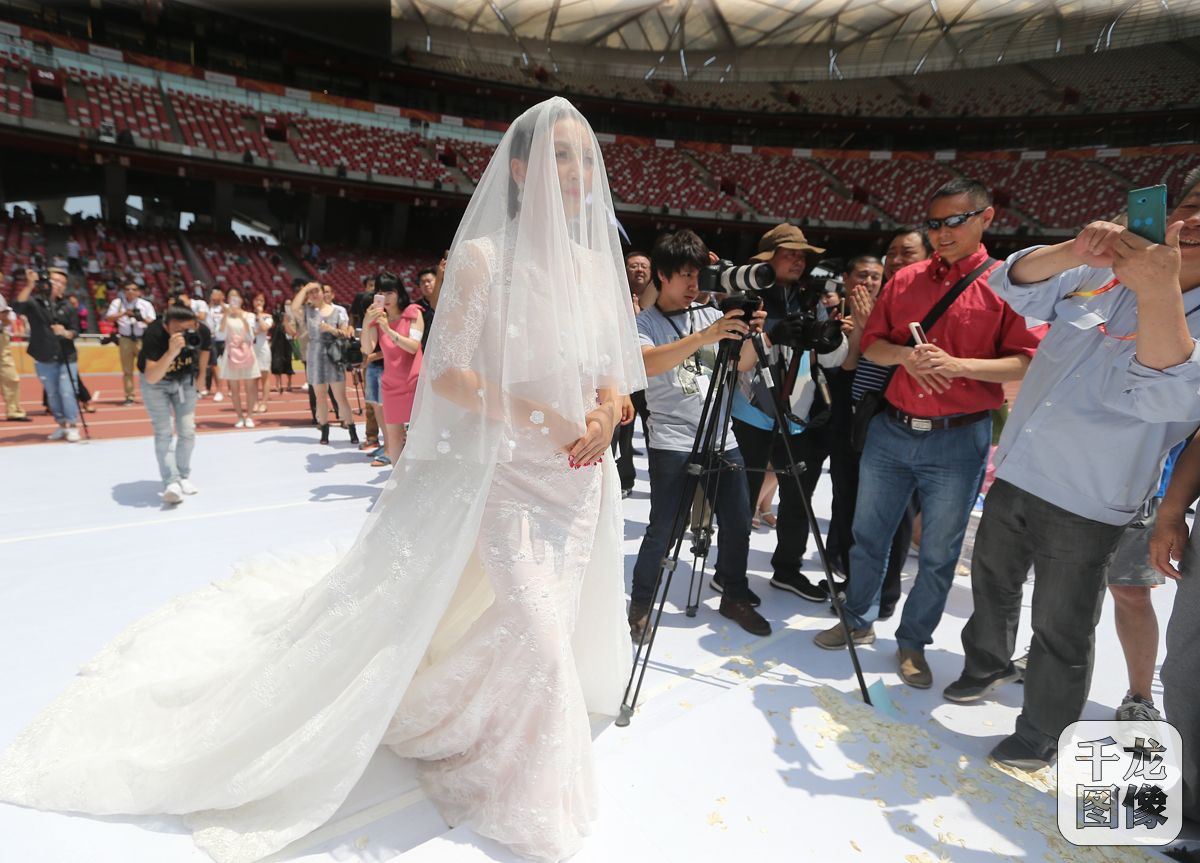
(113, 420)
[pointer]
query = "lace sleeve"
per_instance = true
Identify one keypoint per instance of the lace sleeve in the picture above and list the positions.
(462, 310)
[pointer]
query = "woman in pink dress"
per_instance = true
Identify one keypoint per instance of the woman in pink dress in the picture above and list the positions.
(396, 325)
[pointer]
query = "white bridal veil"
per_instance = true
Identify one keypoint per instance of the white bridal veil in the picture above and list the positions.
(252, 707)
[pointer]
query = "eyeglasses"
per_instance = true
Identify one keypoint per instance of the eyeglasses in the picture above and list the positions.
(951, 221)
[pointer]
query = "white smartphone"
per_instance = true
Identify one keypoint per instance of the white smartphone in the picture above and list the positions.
(918, 334)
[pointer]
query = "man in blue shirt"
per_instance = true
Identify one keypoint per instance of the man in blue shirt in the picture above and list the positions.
(785, 248)
(1115, 384)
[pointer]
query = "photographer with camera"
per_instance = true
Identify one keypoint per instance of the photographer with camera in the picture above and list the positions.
(53, 327)
(801, 344)
(131, 312)
(174, 353)
(679, 347)
(953, 342)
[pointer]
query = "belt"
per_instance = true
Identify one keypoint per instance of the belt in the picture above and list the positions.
(924, 424)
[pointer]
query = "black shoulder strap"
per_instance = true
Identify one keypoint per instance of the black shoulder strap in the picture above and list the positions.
(939, 308)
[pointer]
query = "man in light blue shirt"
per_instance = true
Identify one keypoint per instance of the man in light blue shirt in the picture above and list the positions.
(1115, 384)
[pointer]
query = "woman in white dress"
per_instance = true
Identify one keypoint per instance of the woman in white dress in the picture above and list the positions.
(476, 643)
(263, 323)
(239, 363)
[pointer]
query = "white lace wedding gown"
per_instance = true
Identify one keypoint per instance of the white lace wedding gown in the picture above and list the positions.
(473, 624)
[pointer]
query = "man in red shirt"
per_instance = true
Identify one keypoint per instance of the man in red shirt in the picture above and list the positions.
(935, 433)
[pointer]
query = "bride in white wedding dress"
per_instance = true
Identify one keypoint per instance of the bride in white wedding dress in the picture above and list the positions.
(479, 615)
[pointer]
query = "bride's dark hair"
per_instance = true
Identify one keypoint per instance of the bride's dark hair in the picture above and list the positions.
(522, 143)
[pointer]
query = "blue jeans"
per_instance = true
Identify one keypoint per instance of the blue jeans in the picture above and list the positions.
(60, 392)
(373, 377)
(166, 401)
(945, 467)
(731, 503)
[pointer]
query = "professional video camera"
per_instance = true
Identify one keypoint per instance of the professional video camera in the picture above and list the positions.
(736, 284)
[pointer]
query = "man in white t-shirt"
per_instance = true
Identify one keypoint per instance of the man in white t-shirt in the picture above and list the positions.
(679, 346)
(131, 312)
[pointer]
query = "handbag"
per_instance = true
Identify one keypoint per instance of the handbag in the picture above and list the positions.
(239, 351)
(873, 401)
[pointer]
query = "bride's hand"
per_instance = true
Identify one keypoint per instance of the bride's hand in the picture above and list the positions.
(598, 437)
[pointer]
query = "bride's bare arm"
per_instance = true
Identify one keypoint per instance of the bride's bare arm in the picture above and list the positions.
(461, 323)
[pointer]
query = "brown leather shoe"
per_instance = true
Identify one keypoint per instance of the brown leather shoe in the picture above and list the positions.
(914, 670)
(639, 620)
(744, 615)
(834, 638)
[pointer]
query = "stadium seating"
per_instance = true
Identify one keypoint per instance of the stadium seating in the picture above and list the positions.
(654, 176)
(784, 187)
(19, 239)
(120, 102)
(900, 188)
(219, 125)
(472, 156)
(331, 143)
(1127, 80)
(233, 262)
(15, 95)
(344, 267)
(157, 255)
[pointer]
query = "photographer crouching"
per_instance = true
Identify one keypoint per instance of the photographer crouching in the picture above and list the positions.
(53, 326)
(802, 344)
(679, 347)
(175, 349)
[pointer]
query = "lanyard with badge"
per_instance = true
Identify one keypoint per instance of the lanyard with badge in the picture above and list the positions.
(692, 378)
(1104, 289)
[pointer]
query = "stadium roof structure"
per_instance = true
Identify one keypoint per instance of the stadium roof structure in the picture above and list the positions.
(783, 39)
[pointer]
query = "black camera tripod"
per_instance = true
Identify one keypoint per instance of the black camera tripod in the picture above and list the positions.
(705, 466)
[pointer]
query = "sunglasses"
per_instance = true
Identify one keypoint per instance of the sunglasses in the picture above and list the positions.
(951, 221)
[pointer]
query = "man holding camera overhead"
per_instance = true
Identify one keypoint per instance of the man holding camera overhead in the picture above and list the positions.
(53, 326)
(801, 345)
(934, 431)
(174, 351)
(132, 313)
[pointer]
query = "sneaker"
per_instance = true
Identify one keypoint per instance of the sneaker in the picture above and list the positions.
(626, 492)
(127, 403)
(58, 434)
(249, 422)
(219, 397)
(834, 638)
(639, 620)
(716, 584)
(968, 688)
(1014, 752)
(185, 485)
(72, 435)
(240, 424)
(914, 670)
(744, 615)
(798, 584)
(21, 419)
(1137, 709)
(173, 494)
